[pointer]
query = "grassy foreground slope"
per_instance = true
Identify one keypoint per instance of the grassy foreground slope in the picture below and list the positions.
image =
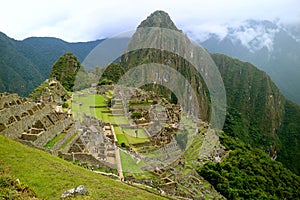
(50, 176)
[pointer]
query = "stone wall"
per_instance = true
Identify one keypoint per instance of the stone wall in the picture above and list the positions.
(35, 122)
(87, 158)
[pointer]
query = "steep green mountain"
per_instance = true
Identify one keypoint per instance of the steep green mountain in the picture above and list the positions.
(26, 64)
(17, 73)
(44, 51)
(145, 55)
(255, 105)
(257, 113)
(259, 120)
(65, 70)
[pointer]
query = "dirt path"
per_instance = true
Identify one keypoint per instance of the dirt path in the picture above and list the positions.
(118, 158)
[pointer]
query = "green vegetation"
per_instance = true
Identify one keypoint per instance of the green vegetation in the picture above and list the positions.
(105, 81)
(65, 105)
(251, 98)
(118, 120)
(136, 115)
(65, 70)
(128, 137)
(49, 176)
(131, 165)
(17, 73)
(143, 56)
(258, 114)
(131, 136)
(112, 74)
(122, 139)
(135, 140)
(132, 132)
(45, 90)
(289, 135)
(38, 92)
(249, 173)
(258, 120)
(97, 106)
(12, 188)
(68, 141)
(82, 103)
(52, 142)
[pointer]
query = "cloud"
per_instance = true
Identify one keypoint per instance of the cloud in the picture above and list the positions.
(254, 36)
(77, 20)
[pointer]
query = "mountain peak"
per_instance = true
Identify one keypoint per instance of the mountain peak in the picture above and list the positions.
(65, 69)
(160, 19)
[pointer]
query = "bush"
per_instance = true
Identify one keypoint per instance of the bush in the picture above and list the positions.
(65, 105)
(136, 115)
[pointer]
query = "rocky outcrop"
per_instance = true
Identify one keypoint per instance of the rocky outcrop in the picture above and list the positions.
(79, 190)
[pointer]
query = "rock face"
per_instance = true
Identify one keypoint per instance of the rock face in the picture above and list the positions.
(79, 190)
(159, 19)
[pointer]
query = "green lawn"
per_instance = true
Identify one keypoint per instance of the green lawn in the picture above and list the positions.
(120, 136)
(124, 136)
(50, 176)
(129, 164)
(134, 140)
(131, 132)
(52, 142)
(118, 119)
(91, 99)
(86, 102)
(154, 154)
(131, 136)
(101, 113)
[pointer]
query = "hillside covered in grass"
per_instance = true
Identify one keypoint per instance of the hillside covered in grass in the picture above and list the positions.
(49, 176)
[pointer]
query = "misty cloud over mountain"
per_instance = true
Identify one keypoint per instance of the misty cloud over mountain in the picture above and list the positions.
(271, 46)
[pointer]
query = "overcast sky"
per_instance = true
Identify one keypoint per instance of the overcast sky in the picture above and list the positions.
(79, 20)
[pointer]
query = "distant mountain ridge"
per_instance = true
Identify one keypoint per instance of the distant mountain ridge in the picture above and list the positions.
(273, 47)
(26, 64)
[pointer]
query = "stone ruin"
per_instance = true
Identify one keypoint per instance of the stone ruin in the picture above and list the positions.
(35, 124)
(29, 122)
(50, 90)
(160, 119)
(93, 145)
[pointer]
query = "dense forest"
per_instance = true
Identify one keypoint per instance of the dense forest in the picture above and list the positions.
(249, 173)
